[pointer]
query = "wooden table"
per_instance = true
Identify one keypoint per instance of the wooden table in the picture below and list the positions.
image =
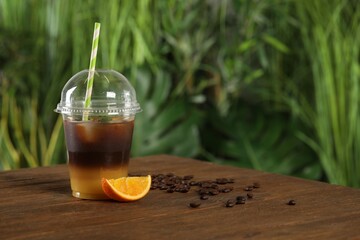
(37, 203)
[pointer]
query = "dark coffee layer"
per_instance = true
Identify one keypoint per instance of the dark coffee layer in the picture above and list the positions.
(95, 144)
(98, 137)
(99, 159)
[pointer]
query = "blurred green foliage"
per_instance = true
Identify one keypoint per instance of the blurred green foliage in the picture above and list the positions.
(271, 85)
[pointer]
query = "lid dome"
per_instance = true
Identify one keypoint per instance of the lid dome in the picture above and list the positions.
(112, 94)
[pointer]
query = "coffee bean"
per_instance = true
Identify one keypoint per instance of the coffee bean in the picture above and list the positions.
(169, 183)
(204, 197)
(250, 195)
(230, 203)
(240, 199)
(292, 202)
(184, 190)
(221, 181)
(231, 180)
(227, 190)
(193, 183)
(248, 188)
(205, 185)
(170, 190)
(188, 177)
(194, 204)
(256, 185)
(203, 191)
(214, 192)
(163, 187)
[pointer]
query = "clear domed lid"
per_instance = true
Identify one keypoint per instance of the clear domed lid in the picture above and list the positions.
(112, 94)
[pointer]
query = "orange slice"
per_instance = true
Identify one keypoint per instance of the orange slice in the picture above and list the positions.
(126, 189)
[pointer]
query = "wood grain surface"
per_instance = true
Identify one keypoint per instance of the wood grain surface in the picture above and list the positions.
(37, 204)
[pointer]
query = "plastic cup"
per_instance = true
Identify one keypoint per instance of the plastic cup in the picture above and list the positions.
(100, 145)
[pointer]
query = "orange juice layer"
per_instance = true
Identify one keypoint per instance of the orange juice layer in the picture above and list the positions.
(86, 182)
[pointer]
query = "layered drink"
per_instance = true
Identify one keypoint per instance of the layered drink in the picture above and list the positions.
(97, 150)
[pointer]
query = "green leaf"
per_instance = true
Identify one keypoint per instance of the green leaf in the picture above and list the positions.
(246, 45)
(275, 43)
(164, 126)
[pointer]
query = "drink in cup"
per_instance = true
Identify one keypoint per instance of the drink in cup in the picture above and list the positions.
(96, 150)
(98, 138)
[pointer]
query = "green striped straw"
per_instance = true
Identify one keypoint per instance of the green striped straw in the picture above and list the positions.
(90, 79)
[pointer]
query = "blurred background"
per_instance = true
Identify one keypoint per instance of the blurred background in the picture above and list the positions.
(272, 85)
